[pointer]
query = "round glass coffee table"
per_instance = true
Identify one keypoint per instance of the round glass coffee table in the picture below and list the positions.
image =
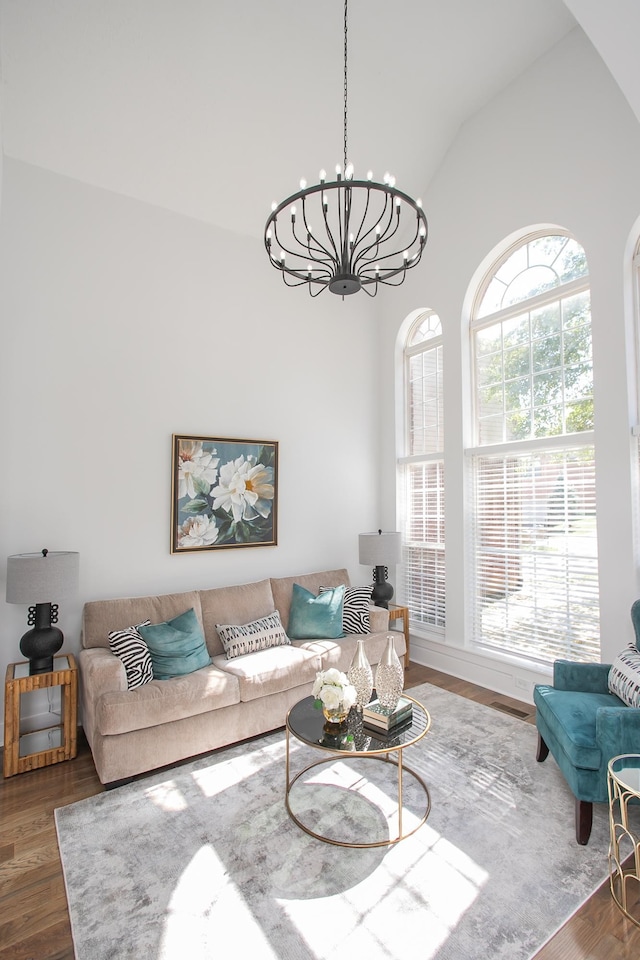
(305, 723)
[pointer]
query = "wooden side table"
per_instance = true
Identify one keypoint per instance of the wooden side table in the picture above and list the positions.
(397, 612)
(21, 750)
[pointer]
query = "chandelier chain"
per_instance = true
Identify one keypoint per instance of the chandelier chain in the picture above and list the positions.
(345, 85)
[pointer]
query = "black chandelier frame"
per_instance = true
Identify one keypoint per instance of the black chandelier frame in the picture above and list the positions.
(350, 256)
(359, 217)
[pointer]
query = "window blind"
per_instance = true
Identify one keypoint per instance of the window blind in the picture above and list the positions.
(423, 553)
(535, 572)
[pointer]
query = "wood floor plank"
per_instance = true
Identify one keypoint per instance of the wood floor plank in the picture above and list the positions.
(34, 920)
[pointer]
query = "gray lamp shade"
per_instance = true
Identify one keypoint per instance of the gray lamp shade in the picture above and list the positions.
(36, 578)
(380, 548)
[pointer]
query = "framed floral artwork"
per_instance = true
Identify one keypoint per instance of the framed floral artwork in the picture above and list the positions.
(224, 493)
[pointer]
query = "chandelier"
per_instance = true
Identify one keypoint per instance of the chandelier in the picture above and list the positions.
(346, 234)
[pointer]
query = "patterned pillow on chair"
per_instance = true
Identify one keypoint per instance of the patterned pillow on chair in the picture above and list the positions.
(624, 676)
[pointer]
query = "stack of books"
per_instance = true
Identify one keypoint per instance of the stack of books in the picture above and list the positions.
(380, 718)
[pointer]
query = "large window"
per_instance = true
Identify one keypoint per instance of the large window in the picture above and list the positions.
(422, 474)
(534, 578)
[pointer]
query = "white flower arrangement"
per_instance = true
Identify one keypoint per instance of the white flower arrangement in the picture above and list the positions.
(332, 688)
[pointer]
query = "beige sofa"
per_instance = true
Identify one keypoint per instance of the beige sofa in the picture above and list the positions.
(164, 721)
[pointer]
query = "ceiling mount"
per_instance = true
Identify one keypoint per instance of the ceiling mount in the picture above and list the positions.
(344, 234)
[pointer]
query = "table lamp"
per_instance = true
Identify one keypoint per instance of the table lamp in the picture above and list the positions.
(380, 550)
(39, 579)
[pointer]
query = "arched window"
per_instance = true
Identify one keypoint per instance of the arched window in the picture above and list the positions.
(422, 473)
(534, 575)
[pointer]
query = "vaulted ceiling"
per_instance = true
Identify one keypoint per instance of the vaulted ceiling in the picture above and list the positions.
(214, 108)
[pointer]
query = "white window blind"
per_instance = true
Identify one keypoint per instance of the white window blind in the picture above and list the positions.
(424, 571)
(535, 550)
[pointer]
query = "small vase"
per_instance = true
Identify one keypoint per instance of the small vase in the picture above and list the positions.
(361, 676)
(335, 719)
(389, 677)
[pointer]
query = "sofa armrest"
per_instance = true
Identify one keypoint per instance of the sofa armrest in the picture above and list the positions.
(617, 731)
(582, 677)
(100, 672)
(378, 619)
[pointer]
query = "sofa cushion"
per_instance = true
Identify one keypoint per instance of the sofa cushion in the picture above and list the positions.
(163, 701)
(242, 603)
(100, 617)
(251, 637)
(571, 718)
(177, 647)
(624, 676)
(271, 671)
(312, 617)
(130, 647)
(355, 610)
(282, 588)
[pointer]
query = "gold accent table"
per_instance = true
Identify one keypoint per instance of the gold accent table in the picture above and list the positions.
(305, 723)
(398, 612)
(21, 751)
(623, 782)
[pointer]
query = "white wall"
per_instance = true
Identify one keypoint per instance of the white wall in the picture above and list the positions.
(613, 29)
(122, 324)
(559, 146)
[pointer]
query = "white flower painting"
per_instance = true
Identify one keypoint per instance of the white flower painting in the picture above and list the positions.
(224, 493)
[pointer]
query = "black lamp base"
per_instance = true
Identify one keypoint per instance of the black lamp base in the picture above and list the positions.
(382, 590)
(39, 644)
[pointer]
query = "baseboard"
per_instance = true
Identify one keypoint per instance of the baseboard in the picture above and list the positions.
(504, 675)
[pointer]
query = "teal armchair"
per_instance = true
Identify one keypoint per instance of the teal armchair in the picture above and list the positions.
(583, 725)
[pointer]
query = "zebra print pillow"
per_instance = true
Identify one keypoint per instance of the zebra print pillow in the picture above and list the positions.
(129, 647)
(355, 610)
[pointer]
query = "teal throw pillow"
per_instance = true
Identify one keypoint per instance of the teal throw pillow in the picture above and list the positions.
(315, 618)
(176, 647)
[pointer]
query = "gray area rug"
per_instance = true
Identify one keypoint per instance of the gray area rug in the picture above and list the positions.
(204, 860)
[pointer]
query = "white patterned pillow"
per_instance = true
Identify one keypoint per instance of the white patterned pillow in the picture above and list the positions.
(355, 609)
(624, 676)
(251, 637)
(129, 647)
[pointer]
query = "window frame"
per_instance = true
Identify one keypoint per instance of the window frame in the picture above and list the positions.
(476, 451)
(433, 342)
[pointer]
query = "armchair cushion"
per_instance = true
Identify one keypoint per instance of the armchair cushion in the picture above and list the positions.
(570, 717)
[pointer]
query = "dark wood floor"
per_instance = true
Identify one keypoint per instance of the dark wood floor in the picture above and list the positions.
(34, 923)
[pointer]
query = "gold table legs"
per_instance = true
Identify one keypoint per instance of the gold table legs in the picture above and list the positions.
(382, 756)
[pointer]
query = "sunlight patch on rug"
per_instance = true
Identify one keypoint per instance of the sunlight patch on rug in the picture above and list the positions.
(205, 903)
